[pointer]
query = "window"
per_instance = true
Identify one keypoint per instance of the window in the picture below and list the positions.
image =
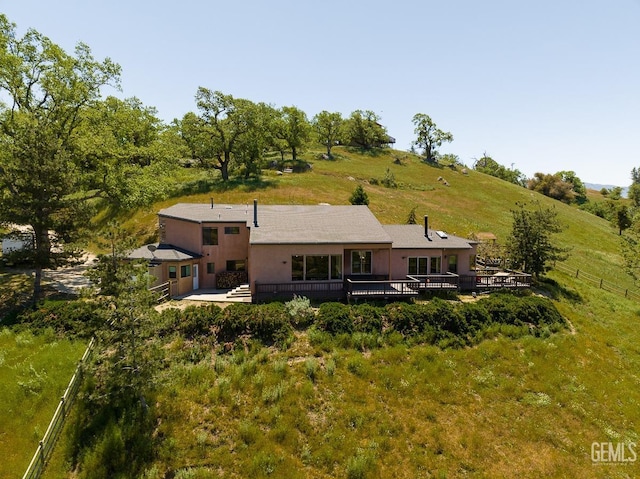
(453, 263)
(418, 265)
(316, 267)
(361, 262)
(185, 271)
(236, 265)
(435, 265)
(209, 236)
(173, 272)
(297, 268)
(232, 230)
(336, 266)
(211, 268)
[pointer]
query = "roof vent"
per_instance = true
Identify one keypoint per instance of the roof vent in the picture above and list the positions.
(442, 234)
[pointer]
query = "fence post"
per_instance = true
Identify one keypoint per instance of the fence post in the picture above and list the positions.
(600, 283)
(42, 458)
(626, 291)
(577, 272)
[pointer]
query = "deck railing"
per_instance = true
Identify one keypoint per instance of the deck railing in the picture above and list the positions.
(382, 289)
(310, 289)
(510, 279)
(374, 287)
(437, 281)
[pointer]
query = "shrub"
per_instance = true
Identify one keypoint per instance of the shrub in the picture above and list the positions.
(476, 317)
(270, 323)
(402, 318)
(311, 369)
(445, 318)
(300, 310)
(71, 318)
(367, 318)
(334, 318)
(198, 320)
(232, 322)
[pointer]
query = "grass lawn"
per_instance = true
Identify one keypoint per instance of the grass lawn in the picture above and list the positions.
(34, 372)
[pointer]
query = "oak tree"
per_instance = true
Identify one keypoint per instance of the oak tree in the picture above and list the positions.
(429, 136)
(42, 176)
(329, 129)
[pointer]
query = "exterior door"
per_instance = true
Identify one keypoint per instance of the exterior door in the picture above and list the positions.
(196, 277)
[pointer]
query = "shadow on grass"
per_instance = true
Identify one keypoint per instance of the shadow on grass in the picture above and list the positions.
(373, 152)
(216, 185)
(558, 291)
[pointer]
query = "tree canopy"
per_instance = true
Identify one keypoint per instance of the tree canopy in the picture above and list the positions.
(564, 186)
(42, 170)
(363, 129)
(530, 246)
(329, 129)
(489, 166)
(429, 136)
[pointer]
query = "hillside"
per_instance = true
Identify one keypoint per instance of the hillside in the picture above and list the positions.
(510, 406)
(468, 203)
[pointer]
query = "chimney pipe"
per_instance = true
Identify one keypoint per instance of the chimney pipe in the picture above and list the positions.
(255, 213)
(426, 227)
(211, 203)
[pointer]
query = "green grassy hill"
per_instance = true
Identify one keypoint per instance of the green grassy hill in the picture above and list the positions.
(508, 407)
(468, 203)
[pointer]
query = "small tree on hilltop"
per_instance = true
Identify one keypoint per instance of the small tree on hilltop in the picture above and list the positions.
(412, 219)
(429, 136)
(530, 246)
(359, 196)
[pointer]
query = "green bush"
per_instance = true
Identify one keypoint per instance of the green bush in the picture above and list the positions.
(366, 318)
(300, 310)
(270, 324)
(402, 318)
(334, 318)
(70, 318)
(198, 321)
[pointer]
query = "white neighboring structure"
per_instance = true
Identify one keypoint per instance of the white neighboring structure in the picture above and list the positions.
(10, 244)
(18, 239)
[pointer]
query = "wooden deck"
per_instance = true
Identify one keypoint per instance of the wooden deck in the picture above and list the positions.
(382, 289)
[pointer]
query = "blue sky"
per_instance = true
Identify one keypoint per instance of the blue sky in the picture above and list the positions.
(543, 86)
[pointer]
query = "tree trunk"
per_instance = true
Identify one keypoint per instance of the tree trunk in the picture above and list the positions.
(294, 153)
(224, 166)
(42, 252)
(37, 286)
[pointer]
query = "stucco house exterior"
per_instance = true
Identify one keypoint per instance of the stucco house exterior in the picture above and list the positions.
(282, 250)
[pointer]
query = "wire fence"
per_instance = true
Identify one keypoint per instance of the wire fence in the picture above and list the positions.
(599, 282)
(45, 447)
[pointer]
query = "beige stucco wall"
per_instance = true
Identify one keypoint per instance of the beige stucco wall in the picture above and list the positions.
(272, 263)
(400, 262)
(188, 235)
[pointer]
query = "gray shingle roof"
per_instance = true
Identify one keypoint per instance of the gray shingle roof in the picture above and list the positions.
(162, 252)
(412, 237)
(314, 224)
(204, 213)
(320, 224)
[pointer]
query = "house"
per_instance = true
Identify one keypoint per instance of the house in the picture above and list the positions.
(320, 250)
